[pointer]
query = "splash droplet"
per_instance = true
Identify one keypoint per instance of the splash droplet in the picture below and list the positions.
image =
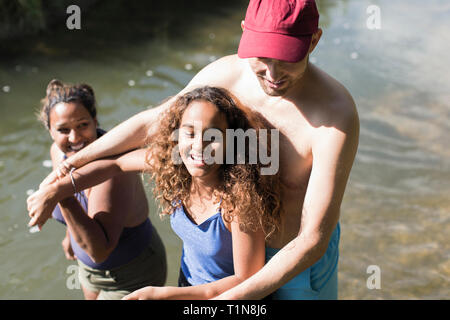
(47, 163)
(34, 229)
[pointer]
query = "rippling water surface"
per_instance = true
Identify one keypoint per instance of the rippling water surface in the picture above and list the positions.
(396, 210)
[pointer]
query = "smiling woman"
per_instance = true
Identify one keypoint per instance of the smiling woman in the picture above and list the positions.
(70, 116)
(108, 229)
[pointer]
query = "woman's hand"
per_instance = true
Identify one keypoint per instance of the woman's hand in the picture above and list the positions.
(51, 178)
(40, 205)
(67, 248)
(147, 293)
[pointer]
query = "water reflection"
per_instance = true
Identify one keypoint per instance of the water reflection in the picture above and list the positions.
(327, 11)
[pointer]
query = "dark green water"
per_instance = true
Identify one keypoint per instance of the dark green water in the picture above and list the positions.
(395, 212)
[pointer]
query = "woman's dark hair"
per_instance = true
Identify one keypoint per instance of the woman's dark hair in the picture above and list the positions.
(58, 92)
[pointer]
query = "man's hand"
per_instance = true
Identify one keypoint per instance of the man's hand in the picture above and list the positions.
(146, 293)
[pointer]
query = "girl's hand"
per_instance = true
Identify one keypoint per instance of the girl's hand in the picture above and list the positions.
(67, 248)
(40, 205)
(146, 293)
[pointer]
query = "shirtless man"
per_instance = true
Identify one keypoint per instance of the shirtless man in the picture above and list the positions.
(319, 131)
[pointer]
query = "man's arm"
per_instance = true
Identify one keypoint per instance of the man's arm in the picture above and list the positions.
(137, 131)
(128, 135)
(334, 151)
(248, 257)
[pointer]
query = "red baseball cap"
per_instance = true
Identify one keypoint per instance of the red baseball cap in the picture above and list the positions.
(278, 29)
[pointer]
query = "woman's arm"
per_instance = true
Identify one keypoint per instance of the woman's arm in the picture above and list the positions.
(98, 231)
(248, 258)
(57, 156)
(67, 247)
(42, 202)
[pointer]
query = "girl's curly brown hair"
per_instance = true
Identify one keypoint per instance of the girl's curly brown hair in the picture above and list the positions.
(246, 193)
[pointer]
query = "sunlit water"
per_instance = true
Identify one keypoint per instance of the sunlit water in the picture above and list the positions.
(395, 213)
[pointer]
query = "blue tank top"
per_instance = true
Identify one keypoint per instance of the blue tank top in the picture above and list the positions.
(207, 248)
(132, 241)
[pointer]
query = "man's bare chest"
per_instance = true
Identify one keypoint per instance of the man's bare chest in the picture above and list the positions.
(294, 148)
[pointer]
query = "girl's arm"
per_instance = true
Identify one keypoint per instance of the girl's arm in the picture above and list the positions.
(42, 202)
(248, 258)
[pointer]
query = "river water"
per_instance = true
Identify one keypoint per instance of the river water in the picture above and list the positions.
(395, 215)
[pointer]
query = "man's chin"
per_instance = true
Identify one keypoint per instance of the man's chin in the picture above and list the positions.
(274, 92)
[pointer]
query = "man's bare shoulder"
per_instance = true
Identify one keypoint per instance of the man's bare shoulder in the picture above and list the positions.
(337, 107)
(221, 73)
(228, 63)
(336, 127)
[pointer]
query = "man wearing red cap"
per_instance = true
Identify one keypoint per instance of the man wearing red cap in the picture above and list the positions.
(319, 130)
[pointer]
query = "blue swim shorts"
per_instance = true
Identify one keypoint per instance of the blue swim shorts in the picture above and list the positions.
(318, 282)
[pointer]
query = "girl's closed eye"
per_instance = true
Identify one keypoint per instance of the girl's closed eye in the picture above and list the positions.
(188, 131)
